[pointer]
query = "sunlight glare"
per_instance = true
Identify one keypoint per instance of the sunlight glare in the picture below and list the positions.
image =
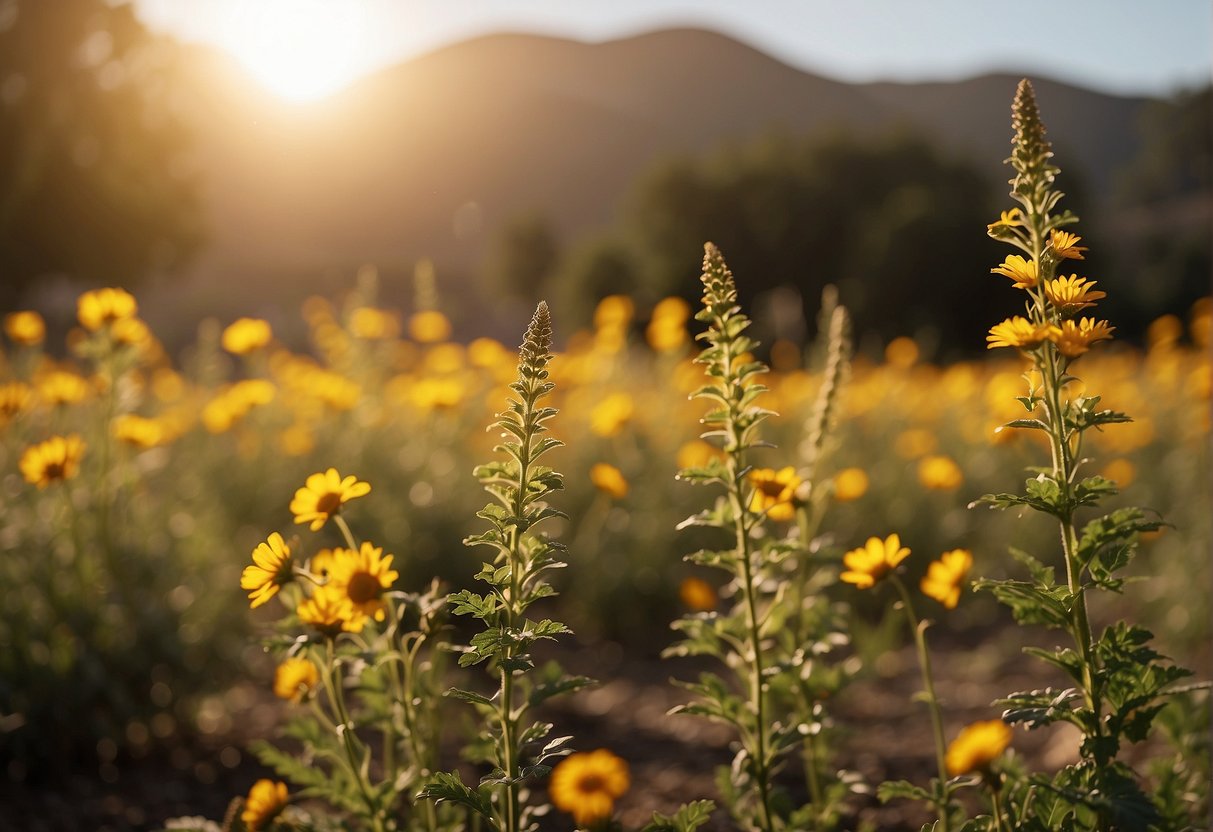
(301, 50)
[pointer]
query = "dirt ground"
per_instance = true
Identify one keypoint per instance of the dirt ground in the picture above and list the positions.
(885, 735)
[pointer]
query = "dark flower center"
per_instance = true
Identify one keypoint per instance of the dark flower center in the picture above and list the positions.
(328, 503)
(55, 471)
(591, 783)
(364, 587)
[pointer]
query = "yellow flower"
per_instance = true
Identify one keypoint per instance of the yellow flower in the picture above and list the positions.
(1070, 294)
(329, 611)
(100, 307)
(295, 678)
(914, 442)
(587, 785)
(609, 480)
(1019, 332)
(613, 312)
(901, 352)
(138, 430)
(874, 560)
(1009, 219)
(697, 453)
(246, 335)
(774, 492)
(939, 473)
(697, 594)
(265, 800)
(977, 746)
(131, 331)
(324, 495)
(15, 398)
(1075, 337)
(1022, 272)
(1065, 245)
(945, 576)
(610, 415)
(54, 460)
(361, 577)
(429, 327)
(850, 484)
(374, 324)
(269, 572)
(62, 387)
(25, 327)
(1120, 471)
(667, 327)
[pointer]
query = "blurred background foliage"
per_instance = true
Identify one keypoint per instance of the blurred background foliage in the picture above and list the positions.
(95, 177)
(120, 587)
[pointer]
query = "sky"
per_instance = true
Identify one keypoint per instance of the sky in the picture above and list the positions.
(1128, 47)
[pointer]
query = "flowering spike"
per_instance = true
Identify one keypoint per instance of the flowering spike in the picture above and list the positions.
(536, 349)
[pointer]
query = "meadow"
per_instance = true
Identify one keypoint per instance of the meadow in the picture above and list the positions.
(139, 488)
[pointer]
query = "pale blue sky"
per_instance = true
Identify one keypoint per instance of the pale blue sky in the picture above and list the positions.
(1121, 46)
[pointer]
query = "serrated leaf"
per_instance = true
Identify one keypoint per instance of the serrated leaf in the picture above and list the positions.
(448, 788)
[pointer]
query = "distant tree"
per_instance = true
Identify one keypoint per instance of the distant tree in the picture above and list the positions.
(894, 222)
(1176, 157)
(524, 257)
(1161, 244)
(94, 180)
(591, 270)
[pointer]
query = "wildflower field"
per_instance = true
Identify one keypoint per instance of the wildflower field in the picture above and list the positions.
(244, 566)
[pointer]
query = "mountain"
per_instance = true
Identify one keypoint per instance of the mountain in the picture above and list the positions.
(430, 157)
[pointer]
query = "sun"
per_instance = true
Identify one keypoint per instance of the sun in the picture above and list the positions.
(302, 50)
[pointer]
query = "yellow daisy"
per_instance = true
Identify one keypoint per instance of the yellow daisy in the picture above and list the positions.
(16, 397)
(329, 611)
(774, 492)
(587, 785)
(1065, 245)
(850, 484)
(609, 480)
(138, 431)
(324, 495)
(1009, 219)
(945, 576)
(100, 307)
(977, 746)
(939, 473)
(1022, 272)
(26, 328)
(429, 327)
(295, 678)
(246, 335)
(697, 594)
(1019, 332)
(269, 572)
(54, 460)
(362, 577)
(1075, 337)
(266, 799)
(875, 559)
(1070, 294)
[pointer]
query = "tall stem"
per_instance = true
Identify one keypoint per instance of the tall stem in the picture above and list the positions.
(919, 629)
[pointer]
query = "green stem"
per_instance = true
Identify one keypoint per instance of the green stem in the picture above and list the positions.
(736, 498)
(996, 806)
(919, 629)
(345, 727)
(345, 531)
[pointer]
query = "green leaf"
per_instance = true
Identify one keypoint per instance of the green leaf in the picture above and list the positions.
(1091, 490)
(470, 696)
(1031, 603)
(566, 684)
(1038, 708)
(1065, 658)
(891, 789)
(448, 788)
(688, 818)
